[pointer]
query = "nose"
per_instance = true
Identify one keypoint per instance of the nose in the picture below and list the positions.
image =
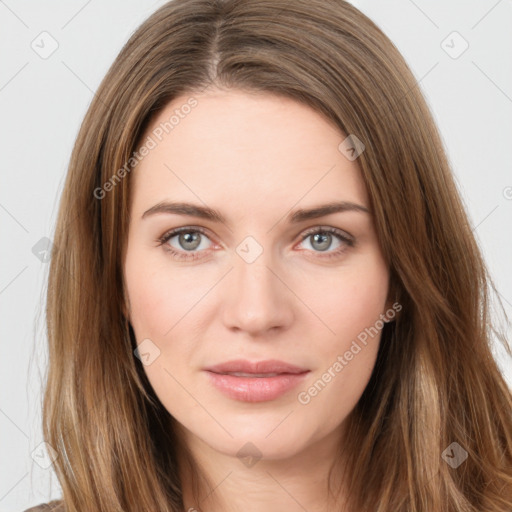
(257, 300)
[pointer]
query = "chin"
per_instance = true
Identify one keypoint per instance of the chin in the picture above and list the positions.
(257, 440)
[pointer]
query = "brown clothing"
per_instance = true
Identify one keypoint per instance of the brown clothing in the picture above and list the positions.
(51, 506)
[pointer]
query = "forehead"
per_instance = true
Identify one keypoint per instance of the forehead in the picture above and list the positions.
(244, 149)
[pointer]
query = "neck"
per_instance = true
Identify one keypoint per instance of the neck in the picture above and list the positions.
(230, 483)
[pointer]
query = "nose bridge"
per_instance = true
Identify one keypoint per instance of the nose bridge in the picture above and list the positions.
(258, 300)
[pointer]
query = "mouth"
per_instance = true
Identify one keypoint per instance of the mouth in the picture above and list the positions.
(255, 382)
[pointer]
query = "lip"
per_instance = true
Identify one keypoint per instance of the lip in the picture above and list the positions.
(267, 366)
(255, 389)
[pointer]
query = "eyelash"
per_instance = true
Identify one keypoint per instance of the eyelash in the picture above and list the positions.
(191, 256)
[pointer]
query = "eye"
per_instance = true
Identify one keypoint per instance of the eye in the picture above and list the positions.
(187, 239)
(321, 239)
(189, 242)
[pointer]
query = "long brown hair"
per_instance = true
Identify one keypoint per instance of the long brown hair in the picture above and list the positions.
(435, 382)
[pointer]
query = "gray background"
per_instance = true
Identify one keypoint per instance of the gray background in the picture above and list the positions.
(43, 101)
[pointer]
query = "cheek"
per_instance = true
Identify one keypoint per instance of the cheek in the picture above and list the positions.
(354, 300)
(158, 296)
(351, 309)
(158, 307)
(149, 300)
(164, 304)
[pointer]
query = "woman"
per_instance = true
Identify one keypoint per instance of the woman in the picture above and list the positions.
(265, 292)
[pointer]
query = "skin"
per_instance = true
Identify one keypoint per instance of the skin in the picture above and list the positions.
(256, 158)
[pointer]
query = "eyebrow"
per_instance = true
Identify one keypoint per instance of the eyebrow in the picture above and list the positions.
(204, 212)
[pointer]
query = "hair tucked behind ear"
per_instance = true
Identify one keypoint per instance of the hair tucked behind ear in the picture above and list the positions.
(435, 382)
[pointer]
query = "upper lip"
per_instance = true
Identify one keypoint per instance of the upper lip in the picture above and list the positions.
(259, 367)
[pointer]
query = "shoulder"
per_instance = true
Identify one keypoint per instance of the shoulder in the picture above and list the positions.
(51, 506)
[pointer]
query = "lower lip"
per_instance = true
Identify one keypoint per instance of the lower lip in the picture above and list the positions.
(255, 389)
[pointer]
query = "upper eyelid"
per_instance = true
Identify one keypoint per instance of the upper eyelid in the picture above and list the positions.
(327, 229)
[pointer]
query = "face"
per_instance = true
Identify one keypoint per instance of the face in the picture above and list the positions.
(259, 279)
